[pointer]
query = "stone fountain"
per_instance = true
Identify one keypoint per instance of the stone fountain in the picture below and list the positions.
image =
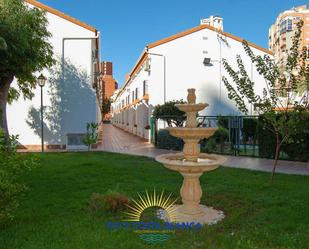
(191, 164)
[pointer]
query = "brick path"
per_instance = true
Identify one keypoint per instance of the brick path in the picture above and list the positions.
(117, 140)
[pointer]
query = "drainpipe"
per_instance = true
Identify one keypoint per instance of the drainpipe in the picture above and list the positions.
(164, 72)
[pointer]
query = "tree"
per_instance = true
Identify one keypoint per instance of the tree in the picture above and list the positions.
(91, 135)
(278, 97)
(170, 113)
(106, 106)
(24, 50)
(12, 165)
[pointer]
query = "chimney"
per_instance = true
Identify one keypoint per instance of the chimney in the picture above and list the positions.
(214, 21)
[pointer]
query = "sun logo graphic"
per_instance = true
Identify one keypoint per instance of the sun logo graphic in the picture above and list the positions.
(153, 231)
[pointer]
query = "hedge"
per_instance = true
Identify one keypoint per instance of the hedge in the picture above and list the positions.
(168, 142)
(298, 151)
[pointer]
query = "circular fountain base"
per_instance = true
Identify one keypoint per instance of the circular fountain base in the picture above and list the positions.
(206, 215)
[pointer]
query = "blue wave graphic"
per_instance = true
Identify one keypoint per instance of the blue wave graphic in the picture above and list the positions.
(153, 238)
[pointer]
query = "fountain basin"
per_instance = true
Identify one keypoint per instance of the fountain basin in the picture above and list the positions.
(177, 162)
(191, 107)
(191, 192)
(191, 133)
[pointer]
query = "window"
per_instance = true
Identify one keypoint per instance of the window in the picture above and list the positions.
(133, 96)
(136, 93)
(286, 25)
(289, 25)
(145, 87)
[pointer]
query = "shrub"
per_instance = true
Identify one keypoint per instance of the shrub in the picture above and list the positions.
(170, 113)
(12, 165)
(168, 142)
(210, 146)
(96, 203)
(223, 121)
(115, 202)
(112, 201)
(296, 150)
(266, 138)
(249, 128)
(219, 137)
(91, 135)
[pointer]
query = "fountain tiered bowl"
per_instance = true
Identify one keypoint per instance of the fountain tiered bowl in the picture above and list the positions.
(191, 164)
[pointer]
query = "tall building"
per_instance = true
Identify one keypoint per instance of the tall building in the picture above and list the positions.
(109, 84)
(282, 32)
(106, 86)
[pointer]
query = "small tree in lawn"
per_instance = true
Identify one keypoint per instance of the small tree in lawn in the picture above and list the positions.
(91, 135)
(282, 83)
(170, 113)
(24, 50)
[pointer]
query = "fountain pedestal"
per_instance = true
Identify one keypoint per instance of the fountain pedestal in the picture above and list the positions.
(191, 164)
(191, 193)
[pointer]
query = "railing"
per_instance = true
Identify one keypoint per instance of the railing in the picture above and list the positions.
(236, 135)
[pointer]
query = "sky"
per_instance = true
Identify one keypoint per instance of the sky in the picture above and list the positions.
(127, 26)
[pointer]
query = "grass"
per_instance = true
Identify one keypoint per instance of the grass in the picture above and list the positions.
(52, 212)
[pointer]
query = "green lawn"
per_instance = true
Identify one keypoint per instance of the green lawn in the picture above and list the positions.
(52, 212)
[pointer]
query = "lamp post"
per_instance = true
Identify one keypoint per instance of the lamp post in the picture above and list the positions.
(41, 82)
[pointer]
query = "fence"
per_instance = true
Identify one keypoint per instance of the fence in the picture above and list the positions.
(236, 135)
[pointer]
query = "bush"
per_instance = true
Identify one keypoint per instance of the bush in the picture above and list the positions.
(296, 150)
(112, 201)
(249, 128)
(170, 113)
(219, 138)
(11, 167)
(96, 203)
(267, 140)
(210, 146)
(91, 135)
(223, 121)
(168, 142)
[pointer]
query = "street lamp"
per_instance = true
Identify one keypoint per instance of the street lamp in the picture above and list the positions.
(41, 82)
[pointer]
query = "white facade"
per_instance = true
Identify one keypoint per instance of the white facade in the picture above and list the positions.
(173, 65)
(76, 44)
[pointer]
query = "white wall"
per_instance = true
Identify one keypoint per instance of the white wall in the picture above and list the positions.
(79, 53)
(185, 69)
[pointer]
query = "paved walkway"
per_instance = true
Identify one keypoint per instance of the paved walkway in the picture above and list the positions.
(117, 140)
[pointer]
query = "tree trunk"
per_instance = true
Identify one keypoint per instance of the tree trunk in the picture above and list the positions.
(278, 146)
(5, 83)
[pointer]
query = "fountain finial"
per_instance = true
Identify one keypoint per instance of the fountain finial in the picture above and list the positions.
(191, 96)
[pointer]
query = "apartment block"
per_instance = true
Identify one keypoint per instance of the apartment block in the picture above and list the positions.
(282, 31)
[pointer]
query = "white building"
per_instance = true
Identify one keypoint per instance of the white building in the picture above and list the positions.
(69, 98)
(168, 67)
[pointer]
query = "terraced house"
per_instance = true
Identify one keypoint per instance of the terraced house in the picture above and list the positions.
(190, 59)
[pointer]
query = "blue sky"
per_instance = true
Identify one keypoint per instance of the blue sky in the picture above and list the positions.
(127, 26)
